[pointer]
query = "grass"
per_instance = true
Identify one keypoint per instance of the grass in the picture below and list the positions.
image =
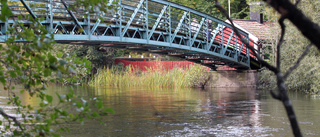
(155, 77)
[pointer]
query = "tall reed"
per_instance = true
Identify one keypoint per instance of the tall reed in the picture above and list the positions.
(155, 77)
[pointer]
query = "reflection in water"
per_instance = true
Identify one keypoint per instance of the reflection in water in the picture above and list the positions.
(188, 112)
(193, 112)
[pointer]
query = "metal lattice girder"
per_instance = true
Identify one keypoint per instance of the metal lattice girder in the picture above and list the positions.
(94, 28)
(131, 18)
(157, 21)
(228, 44)
(174, 33)
(213, 37)
(110, 3)
(72, 15)
(198, 30)
(28, 9)
(179, 26)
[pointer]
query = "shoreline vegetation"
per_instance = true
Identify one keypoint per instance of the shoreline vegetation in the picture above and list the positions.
(155, 77)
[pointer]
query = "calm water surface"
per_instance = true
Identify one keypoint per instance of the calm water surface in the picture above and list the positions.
(194, 112)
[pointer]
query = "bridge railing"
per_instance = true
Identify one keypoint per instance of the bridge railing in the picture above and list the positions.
(147, 22)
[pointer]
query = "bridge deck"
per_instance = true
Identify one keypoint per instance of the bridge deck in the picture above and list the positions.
(156, 26)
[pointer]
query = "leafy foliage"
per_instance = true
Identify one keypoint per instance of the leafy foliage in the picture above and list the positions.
(239, 8)
(306, 77)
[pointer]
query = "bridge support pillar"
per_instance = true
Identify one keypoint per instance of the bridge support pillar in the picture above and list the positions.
(220, 79)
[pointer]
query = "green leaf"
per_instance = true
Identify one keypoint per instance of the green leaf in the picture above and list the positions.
(49, 98)
(71, 116)
(95, 114)
(5, 11)
(47, 72)
(59, 55)
(52, 59)
(3, 80)
(78, 104)
(13, 74)
(109, 110)
(99, 105)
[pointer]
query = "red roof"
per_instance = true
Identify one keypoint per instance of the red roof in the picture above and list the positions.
(262, 31)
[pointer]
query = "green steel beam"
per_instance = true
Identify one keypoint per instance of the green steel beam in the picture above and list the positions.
(28, 9)
(198, 30)
(74, 18)
(179, 26)
(141, 33)
(131, 18)
(157, 21)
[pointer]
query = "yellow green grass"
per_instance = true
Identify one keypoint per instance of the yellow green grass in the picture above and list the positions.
(152, 78)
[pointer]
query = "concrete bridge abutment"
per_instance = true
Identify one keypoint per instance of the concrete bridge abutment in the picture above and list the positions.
(232, 78)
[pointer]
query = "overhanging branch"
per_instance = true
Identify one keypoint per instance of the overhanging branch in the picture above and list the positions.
(11, 117)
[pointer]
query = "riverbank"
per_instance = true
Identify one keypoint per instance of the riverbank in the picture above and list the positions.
(156, 77)
(194, 76)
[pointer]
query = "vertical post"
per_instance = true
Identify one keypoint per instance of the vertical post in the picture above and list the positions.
(170, 25)
(6, 28)
(51, 16)
(88, 29)
(248, 62)
(222, 40)
(120, 18)
(229, 8)
(147, 21)
(207, 34)
(189, 30)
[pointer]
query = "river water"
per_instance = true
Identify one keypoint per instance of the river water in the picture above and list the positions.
(194, 112)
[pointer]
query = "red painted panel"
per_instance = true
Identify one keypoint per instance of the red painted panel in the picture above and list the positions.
(234, 40)
(144, 65)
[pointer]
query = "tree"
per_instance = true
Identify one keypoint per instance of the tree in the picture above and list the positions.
(239, 8)
(289, 11)
(293, 44)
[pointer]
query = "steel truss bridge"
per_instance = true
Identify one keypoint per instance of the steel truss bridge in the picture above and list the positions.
(156, 26)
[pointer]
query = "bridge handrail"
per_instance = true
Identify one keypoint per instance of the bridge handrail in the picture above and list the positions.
(151, 20)
(182, 7)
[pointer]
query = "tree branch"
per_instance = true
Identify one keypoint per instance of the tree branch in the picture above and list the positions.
(11, 117)
(297, 2)
(298, 62)
(274, 95)
(283, 31)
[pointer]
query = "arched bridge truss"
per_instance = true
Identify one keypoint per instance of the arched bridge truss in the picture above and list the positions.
(156, 26)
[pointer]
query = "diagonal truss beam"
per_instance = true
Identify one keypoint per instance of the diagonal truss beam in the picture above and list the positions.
(75, 20)
(28, 9)
(110, 3)
(227, 45)
(198, 30)
(214, 45)
(157, 21)
(94, 28)
(179, 26)
(214, 36)
(132, 17)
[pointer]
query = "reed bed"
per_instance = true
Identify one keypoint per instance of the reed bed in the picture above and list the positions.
(155, 77)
